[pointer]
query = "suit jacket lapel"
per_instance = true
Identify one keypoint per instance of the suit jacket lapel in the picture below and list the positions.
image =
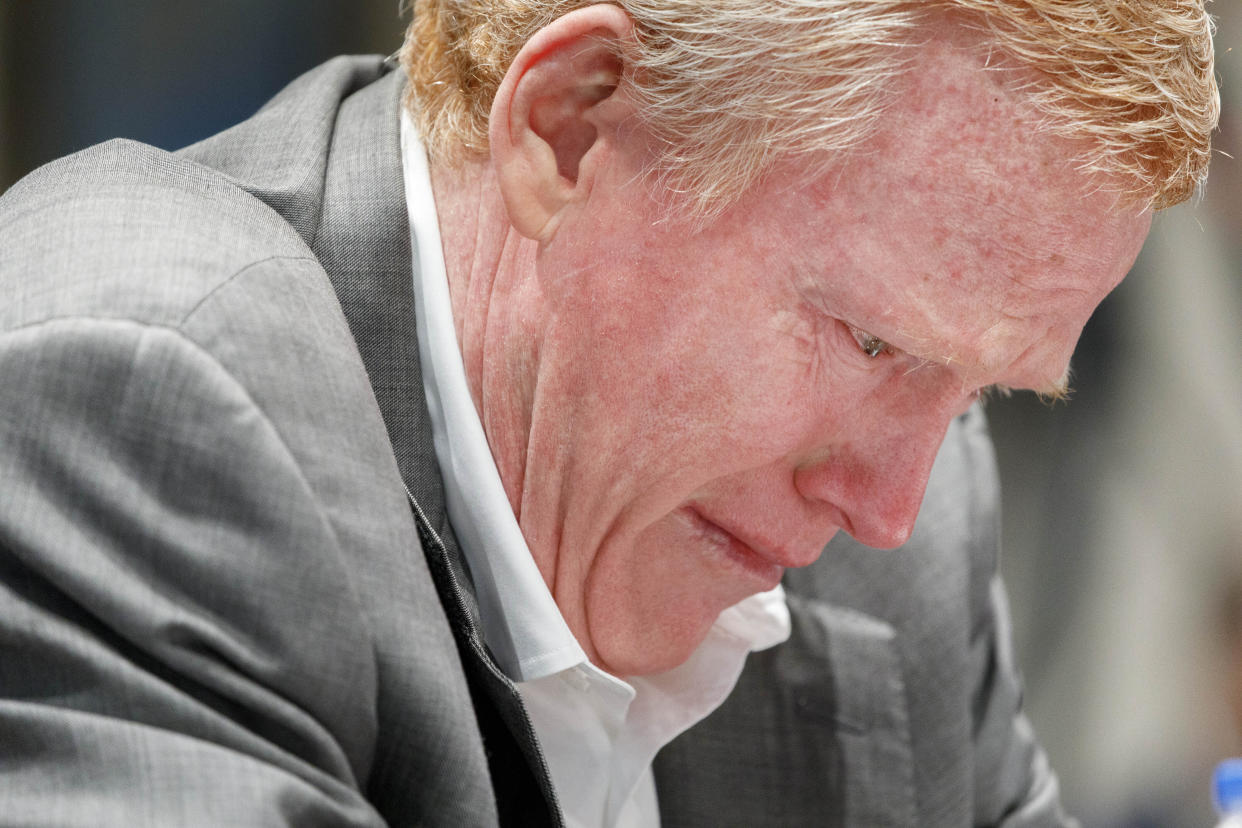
(363, 241)
(815, 733)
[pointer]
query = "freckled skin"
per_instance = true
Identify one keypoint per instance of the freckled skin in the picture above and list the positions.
(655, 376)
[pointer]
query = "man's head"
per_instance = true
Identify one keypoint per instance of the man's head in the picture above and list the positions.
(682, 402)
(727, 88)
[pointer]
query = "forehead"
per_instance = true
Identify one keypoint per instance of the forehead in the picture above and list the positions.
(963, 233)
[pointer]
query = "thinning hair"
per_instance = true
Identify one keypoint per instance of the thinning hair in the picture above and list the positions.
(729, 86)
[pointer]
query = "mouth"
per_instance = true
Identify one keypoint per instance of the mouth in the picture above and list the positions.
(735, 551)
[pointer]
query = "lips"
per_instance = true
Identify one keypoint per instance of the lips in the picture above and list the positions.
(758, 562)
(771, 552)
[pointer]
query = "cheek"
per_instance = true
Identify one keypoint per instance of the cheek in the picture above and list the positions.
(744, 386)
(679, 352)
(778, 387)
(701, 372)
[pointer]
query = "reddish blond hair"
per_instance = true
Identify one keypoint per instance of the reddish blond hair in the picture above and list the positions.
(729, 86)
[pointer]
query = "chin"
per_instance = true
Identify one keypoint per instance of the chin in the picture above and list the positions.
(645, 647)
(649, 603)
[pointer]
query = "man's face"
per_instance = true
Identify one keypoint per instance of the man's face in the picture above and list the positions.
(710, 409)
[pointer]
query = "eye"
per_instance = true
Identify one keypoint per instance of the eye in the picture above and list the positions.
(872, 346)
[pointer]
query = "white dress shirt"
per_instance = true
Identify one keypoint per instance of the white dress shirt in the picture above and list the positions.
(598, 733)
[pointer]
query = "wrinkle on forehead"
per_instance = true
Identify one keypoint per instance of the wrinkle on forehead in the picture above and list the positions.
(964, 235)
(978, 233)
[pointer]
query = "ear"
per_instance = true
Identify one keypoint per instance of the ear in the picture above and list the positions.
(552, 109)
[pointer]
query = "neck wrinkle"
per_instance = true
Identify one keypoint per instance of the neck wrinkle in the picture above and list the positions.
(496, 307)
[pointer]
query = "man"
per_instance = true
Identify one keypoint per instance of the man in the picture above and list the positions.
(444, 467)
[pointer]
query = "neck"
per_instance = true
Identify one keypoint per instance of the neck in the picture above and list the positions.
(496, 302)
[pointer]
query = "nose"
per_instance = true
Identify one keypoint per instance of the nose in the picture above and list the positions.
(876, 483)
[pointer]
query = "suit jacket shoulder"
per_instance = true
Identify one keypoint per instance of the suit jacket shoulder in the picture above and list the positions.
(206, 553)
(129, 231)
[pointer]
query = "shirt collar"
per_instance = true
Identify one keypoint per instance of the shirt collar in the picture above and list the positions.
(521, 623)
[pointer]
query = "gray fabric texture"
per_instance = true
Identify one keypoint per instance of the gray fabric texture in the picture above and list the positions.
(215, 609)
(218, 608)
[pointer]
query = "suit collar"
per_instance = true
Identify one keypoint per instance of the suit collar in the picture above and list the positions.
(325, 155)
(363, 241)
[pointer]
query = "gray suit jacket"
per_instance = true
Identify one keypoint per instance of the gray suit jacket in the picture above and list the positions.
(229, 593)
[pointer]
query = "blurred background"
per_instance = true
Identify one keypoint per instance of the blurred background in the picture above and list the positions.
(1123, 509)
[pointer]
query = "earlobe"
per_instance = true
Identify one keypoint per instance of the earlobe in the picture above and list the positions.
(548, 120)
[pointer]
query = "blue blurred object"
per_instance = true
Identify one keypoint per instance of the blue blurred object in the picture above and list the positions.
(1227, 788)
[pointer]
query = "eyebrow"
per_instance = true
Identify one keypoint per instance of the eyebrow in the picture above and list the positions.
(1054, 392)
(1057, 391)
